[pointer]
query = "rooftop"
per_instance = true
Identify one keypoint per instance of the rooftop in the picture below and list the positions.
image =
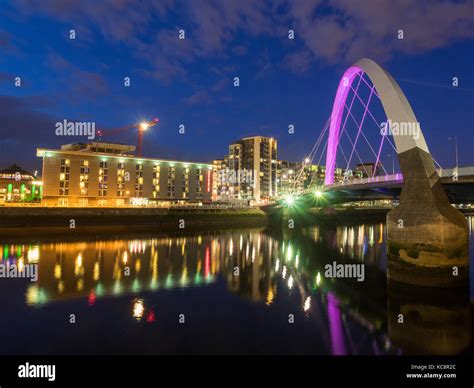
(12, 171)
(45, 153)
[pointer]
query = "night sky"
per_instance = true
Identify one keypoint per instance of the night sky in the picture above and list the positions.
(190, 81)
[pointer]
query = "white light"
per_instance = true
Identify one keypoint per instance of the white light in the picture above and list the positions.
(290, 282)
(307, 304)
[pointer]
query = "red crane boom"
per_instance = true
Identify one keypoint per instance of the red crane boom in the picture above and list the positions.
(142, 127)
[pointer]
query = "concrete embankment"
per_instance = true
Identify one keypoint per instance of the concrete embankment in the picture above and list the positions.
(19, 221)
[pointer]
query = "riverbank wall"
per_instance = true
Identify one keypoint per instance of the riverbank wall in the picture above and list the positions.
(18, 221)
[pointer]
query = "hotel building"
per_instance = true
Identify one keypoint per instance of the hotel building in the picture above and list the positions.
(108, 174)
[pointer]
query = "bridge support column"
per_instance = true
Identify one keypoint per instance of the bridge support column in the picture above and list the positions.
(427, 239)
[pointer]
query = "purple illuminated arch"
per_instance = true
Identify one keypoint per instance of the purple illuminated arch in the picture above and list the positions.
(336, 117)
(395, 104)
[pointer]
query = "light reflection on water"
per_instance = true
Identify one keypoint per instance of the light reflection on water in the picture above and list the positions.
(265, 268)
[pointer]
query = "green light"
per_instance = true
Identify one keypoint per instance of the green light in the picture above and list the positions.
(117, 287)
(99, 290)
(169, 281)
(197, 279)
(290, 200)
(136, 285)
(318, 194)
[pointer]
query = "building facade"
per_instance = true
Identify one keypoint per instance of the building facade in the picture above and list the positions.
(298, 176)
(220, 183)
(367, 170)
(18, 185)
(107, 174)
(253, 168)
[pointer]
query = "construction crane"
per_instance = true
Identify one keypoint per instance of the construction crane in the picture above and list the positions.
(142, 127)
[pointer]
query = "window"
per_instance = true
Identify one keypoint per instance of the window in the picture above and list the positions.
(103, 178)
(64, 177)
(199, 183)
(138, 180)
(185, 188)
(171, 181)
(120, 179)
(156, 181)
(84, 178)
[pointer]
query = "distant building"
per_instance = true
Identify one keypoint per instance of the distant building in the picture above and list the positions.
(366, 170)
(18, 185)
(287, 174)
(108, 174)
(253, 168)
(298, 176)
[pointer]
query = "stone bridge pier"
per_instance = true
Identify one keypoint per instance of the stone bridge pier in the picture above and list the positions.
(427, 238)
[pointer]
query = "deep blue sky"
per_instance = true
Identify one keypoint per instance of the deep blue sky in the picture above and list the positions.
(282, 81)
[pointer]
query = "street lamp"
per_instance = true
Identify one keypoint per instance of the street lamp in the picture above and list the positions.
(393, 162)
(455, 149)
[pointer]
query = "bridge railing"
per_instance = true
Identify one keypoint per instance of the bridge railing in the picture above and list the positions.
(398, 177)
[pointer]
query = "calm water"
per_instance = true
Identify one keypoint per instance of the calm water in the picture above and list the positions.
(194, 278)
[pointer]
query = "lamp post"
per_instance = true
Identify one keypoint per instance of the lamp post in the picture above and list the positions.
(393, 162)
(455, 149)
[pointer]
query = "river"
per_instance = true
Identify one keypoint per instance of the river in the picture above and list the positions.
(249, 291)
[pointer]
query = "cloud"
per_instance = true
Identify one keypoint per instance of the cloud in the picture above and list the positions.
(84, 82)
(299, 62)
(239, 50)
(210, 26)
(116, 20)
(8, 44)
(221, 85)
(36, 126)
(198, 98)
(6, 77)
(339, 31)
(358, 28)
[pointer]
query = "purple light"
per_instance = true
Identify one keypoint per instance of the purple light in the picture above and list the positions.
(336, 117)
(335, 326)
